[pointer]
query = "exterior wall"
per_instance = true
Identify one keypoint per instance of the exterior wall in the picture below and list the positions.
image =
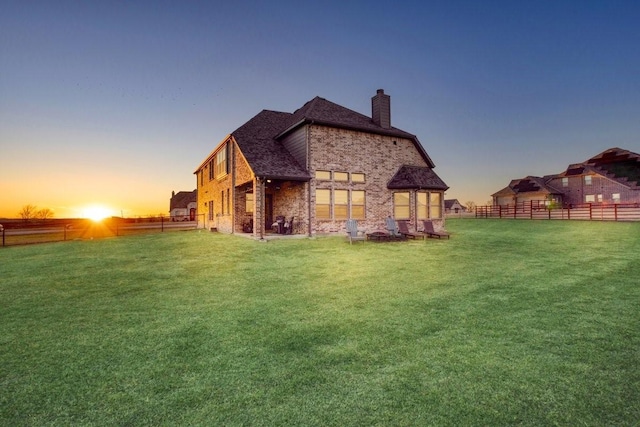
(576, 191)
(378, 157)
(290, 200)
(296, 144)
(210, 192)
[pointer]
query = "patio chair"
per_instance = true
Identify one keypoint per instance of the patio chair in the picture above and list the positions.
(429, 231)
(353, 234)
(403, 227)
(288, 226)
(392, 228)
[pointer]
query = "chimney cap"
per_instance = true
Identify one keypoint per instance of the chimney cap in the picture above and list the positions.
(380, 91)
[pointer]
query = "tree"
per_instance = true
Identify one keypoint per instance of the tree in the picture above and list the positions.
(44, 214)
(28, 212)
(470, 205)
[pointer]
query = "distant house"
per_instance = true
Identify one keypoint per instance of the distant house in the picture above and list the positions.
(610, 177)
(315, 168)
(453, 206)
(183, 205)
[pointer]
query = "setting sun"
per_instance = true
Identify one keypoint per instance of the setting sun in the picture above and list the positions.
(96, 212)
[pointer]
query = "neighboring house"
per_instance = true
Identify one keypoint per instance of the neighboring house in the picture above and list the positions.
(183, 205)
(320, 165)
(612, 176)
(453, 206)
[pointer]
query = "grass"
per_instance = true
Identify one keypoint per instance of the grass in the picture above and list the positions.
(507, 323)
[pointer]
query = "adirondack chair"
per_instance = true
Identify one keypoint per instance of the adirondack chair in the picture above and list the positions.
(353, 234)
(429, 231)
(392, 228)
(403, 227)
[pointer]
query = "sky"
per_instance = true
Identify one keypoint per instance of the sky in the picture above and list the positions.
(116, 103)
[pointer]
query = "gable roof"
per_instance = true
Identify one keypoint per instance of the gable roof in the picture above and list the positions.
(181, 199)
(322, 112)
(259, 138)
(448, 203)
(416, 177)
(529, 184)
(622, 166)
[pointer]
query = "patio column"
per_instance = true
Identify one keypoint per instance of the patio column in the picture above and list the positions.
(258, 208)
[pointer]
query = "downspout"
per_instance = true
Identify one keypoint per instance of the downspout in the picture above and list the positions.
(233, 186)
(308, 166)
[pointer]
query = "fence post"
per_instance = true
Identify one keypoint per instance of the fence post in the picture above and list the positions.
(615, 212)
(161, 224)
(2, 229)
(590, 211)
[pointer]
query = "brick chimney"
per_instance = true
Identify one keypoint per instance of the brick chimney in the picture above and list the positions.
(381, 109)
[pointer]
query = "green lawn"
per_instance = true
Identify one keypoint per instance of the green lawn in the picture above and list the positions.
(508, 323)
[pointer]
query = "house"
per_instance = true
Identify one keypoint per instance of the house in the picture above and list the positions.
(610, 177)
(315, 168)
(183, 205)
(453, 206)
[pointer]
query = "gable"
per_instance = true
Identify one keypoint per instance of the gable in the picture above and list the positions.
(319, 111)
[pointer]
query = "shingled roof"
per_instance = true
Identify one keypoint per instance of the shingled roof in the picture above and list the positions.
(259, 138)
(618, 164)
(416, 177)
(529, 184)
(267, 156)
(181, 199)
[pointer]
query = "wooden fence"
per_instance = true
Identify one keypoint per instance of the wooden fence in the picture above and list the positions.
(18, 232)
(538, 209)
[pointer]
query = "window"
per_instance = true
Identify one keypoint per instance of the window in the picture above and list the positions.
(210, 211)
(435, 205)
(201, 177)
(228, 202)
(357, 204)
(248, 205)
(323, 175)
(421, 206)
(565, 182)
(357, 177)
(341, 204)
(615, 197)
(323, 204)
(340, 176)
(401, 205)
(587, 180)
(221, 165)
(210, 166)
(589, 198)
(222, 201)
(599, 198)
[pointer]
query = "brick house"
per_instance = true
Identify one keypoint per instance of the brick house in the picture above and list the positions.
(610, 177)
(316, 168)
(183, 205)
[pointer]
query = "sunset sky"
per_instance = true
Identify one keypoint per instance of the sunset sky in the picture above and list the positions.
(115, 103)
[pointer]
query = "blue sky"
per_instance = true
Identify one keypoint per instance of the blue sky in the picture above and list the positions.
(117, 102)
